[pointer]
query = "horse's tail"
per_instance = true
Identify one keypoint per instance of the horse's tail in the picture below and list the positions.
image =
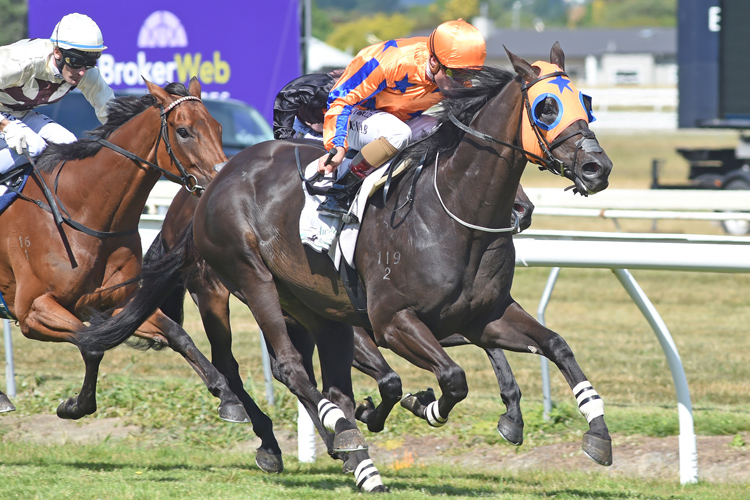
(173, 305)
(160, 277)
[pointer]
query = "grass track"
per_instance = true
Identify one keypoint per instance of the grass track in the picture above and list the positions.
(184, 451)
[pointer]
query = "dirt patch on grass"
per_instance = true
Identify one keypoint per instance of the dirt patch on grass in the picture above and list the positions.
(634, 456)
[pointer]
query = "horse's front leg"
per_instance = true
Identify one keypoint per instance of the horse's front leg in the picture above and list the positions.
(408, 337)
(519, 331)
(212, 299)
(510, 424)
(231, 408)
(48, 321)
(369, 360)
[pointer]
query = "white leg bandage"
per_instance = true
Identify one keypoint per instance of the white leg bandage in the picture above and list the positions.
(590, 403)
(329, 414)
(367, 476)
(432, 414)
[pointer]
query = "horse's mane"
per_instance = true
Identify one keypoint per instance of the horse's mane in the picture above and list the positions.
(464, 102)
(119, 111)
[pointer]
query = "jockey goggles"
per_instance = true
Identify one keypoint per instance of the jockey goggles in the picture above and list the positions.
(572, 105)
(77, 60)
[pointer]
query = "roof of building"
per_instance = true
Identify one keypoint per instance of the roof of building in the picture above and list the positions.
(583, 42)
(580, 42)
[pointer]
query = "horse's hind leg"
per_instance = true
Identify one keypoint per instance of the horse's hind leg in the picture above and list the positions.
(231, 408)
(212, 299)
(369, 360)
(519, 331)
(5, 404)
(333, 340)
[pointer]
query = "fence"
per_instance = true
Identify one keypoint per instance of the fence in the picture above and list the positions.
(617, 251)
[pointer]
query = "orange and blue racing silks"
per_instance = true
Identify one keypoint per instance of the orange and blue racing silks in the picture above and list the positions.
(390, 76)
(572, 106)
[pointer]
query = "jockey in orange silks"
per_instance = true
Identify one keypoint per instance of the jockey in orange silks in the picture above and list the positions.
(376, 106)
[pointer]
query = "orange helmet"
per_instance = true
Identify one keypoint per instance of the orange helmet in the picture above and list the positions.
(458, 44)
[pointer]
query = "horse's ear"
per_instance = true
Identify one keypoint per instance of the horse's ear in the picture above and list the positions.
(523, 68)
(194, 87)
(161, 95)
(556, 56)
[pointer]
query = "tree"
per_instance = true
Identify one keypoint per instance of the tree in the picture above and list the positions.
(355, 35)
(13, 21)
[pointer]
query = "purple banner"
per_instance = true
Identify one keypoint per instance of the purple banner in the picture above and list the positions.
(238, 49)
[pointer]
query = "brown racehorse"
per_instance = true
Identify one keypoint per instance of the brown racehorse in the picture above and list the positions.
(455, 253)
(53, 277)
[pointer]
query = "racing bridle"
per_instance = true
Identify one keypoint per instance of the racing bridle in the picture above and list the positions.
(187, 180)
(549, 161)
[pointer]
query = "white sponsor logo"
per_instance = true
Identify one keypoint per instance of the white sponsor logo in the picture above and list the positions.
(160, 30)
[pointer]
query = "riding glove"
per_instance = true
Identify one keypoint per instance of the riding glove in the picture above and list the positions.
(18, 136)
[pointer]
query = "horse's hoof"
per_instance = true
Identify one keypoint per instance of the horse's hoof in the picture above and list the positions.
(381, 488)
(269, 462)
(510, 431)
(234, 413)
(417, 402)
(349, 440)
(364, 409)
(5, 404)
(597, 449)
(349, 464)
(69, 410)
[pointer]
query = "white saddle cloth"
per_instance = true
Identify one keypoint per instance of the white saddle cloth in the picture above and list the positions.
(326, 233)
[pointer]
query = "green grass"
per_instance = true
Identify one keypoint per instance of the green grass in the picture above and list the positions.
(118, 472)
(185, 451)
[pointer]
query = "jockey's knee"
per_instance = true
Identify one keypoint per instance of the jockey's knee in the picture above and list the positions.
(399, 135)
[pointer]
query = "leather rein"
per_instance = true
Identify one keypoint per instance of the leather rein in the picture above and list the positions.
(187, 180)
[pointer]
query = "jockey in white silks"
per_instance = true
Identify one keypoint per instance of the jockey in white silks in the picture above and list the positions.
(41, 71)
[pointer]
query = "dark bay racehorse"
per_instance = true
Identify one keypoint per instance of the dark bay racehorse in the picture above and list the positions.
(53, 276)
(212, 299)
(451, 276)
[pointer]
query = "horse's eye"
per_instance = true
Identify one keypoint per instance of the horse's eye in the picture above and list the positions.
(183, 133)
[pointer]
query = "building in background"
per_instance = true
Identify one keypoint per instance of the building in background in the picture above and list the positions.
(596, 56)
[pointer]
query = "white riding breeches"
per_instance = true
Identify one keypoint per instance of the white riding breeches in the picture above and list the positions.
(365, 126)
(44, 130)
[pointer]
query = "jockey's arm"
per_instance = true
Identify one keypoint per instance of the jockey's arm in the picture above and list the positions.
(350, 90)
(97, 92)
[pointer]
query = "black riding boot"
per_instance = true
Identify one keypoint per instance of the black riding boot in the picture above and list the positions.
(340, 195)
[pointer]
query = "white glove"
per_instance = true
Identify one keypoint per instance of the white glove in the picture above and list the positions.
(16, 136)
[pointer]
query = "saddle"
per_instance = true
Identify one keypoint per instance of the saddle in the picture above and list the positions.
(11, 184)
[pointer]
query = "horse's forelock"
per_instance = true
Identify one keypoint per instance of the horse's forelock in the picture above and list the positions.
(464, 102)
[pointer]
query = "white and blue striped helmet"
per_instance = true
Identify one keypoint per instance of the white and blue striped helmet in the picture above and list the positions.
(78, 32)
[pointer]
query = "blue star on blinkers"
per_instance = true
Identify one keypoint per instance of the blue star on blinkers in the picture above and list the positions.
(403, 84)
(561, 82)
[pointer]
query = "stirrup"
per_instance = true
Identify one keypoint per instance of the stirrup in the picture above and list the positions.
(346, 216)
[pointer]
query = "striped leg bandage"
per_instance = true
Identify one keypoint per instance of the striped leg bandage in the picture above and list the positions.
(590, 403)
(432, 414)
(367, 476)
(329, 414)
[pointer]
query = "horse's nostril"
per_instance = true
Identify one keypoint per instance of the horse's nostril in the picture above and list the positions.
(591, 169)
(519, 209)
